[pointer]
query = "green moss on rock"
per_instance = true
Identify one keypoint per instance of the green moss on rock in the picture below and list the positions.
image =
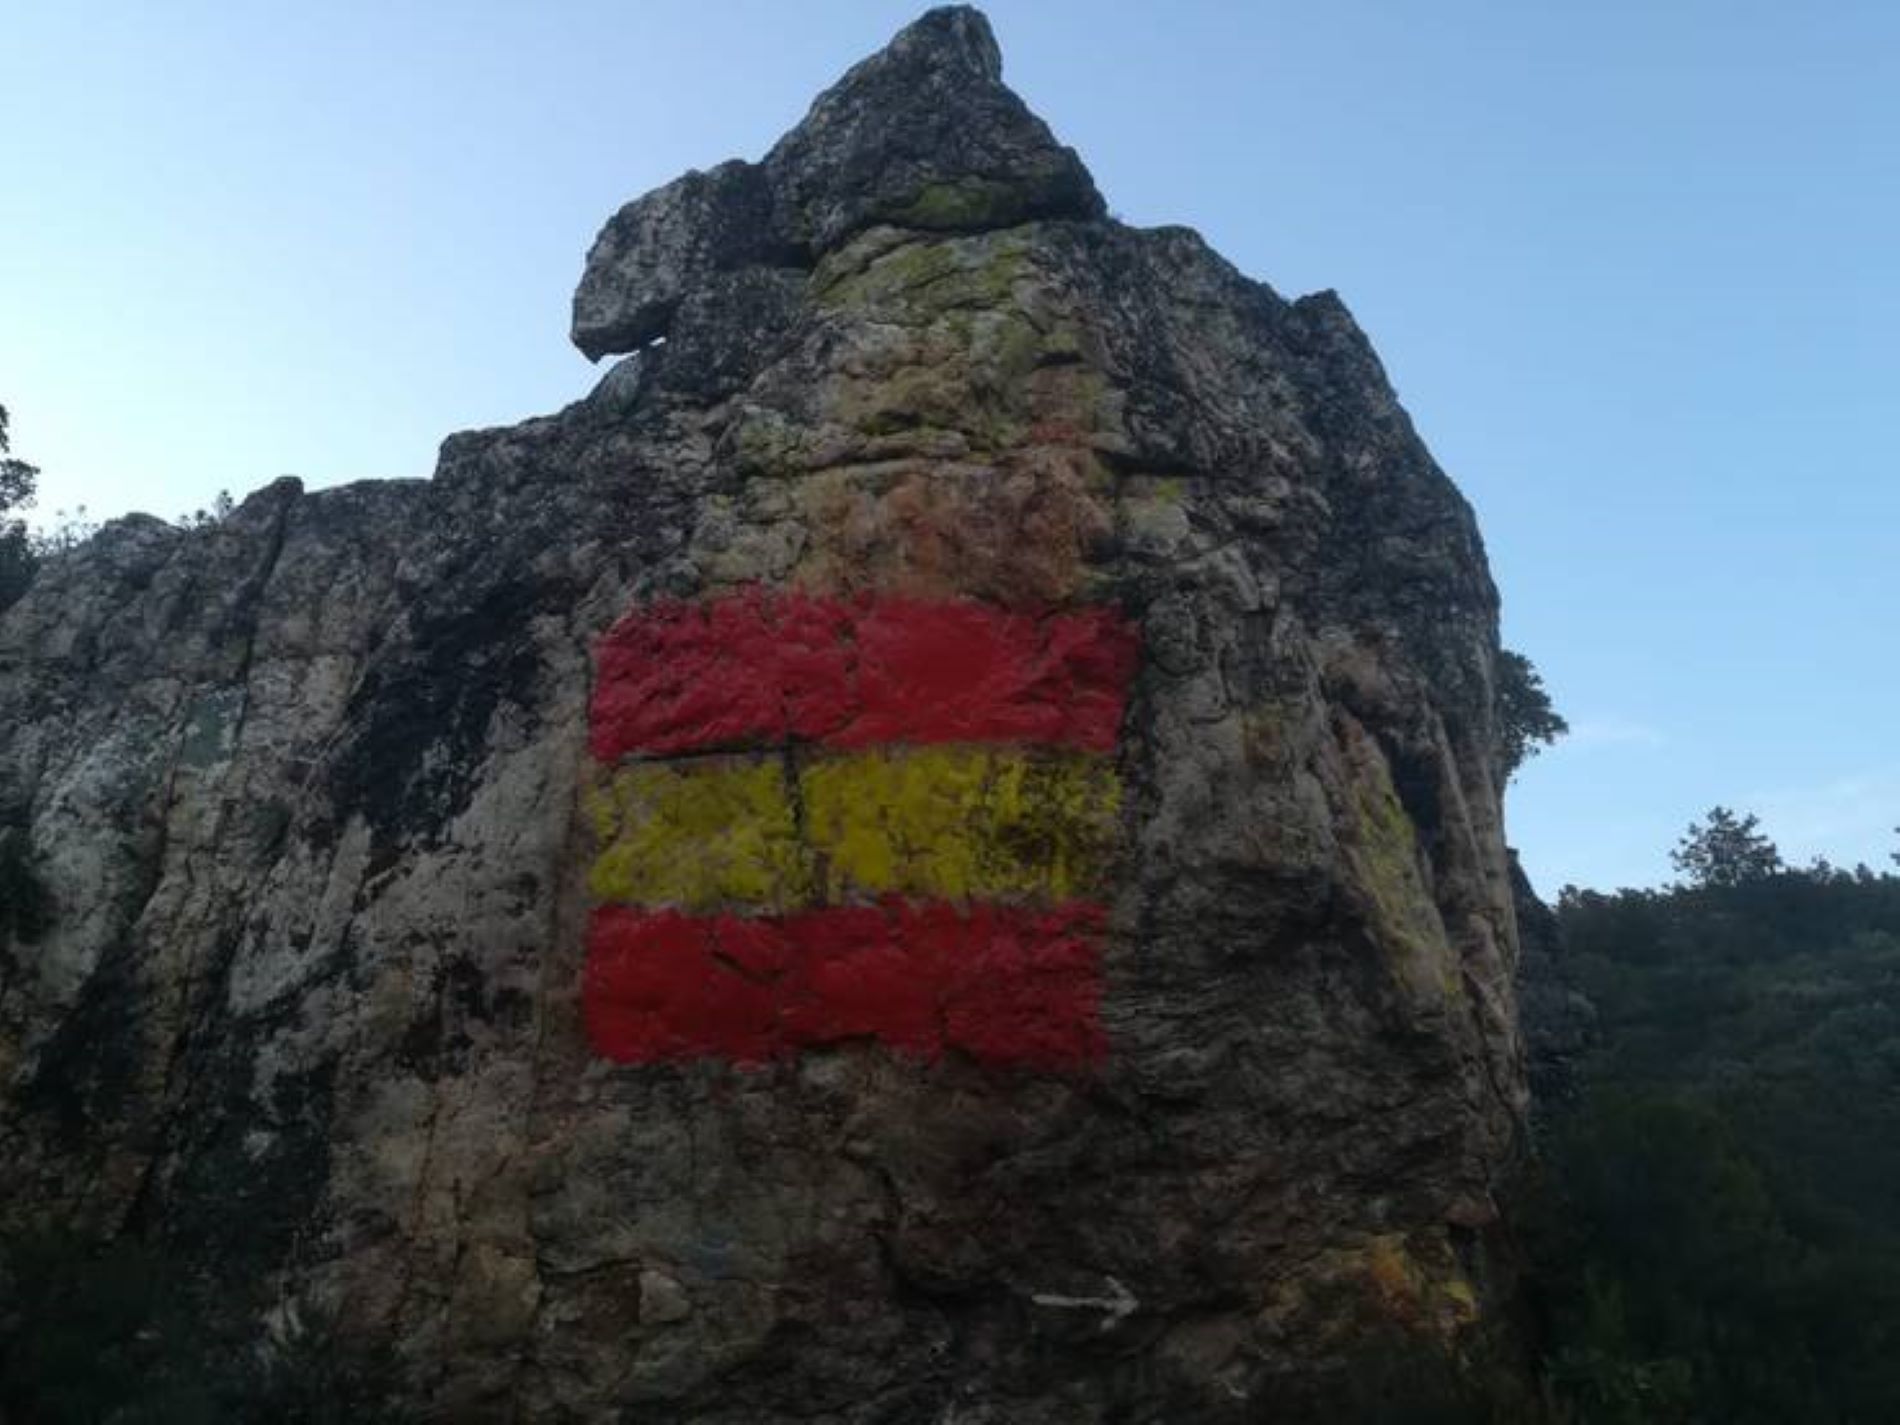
(1387, 860)
(964, 204)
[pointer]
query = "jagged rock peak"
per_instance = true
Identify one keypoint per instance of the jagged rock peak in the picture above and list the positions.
(923, 134)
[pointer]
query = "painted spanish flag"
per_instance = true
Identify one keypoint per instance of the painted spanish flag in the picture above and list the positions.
(822, 819)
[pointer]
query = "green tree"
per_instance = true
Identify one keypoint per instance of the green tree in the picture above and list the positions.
(19, 482)
(1715, 1230)
(1727, 850)
(1526, 720)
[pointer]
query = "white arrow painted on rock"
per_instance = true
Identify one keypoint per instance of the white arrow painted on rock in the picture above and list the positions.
(1119, 1304)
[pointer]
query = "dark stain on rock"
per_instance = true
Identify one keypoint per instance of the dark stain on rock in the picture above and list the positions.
(84, 1084)
(422, 712)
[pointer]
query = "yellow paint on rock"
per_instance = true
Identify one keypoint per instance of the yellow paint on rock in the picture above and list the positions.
(698, 835)
(957, 823)
(961, 823)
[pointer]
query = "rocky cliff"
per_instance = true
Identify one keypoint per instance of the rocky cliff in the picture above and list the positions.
(930, 851)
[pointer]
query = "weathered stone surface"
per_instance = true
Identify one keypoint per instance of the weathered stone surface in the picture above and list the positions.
(1559, 1021)
(659, 249)
(308, 794)
(923, 134)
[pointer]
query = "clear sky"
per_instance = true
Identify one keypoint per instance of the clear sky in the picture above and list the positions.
(1633, 265)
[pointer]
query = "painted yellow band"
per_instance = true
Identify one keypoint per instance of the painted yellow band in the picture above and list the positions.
(949, 823)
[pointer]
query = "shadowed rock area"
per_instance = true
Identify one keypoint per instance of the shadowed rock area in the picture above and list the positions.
(334, 1009)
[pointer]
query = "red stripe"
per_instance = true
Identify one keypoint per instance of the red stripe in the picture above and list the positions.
(761, 667)
(1000, 984)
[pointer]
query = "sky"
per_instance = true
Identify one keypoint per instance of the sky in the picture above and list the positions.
(1634, 269)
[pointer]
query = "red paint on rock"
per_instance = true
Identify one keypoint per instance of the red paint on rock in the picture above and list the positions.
(759, 667)
(678, 676)
(960, 672)
(662, 985)
(1004, 985)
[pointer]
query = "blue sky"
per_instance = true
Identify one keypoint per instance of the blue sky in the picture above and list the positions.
(1633, 267)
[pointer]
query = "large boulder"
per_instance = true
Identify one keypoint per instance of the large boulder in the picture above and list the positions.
(931, 851)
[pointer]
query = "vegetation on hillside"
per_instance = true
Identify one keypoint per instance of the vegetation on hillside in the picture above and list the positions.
(1718, 1222)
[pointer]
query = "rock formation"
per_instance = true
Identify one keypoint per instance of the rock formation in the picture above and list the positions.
(930, 851)
(1557, 1021)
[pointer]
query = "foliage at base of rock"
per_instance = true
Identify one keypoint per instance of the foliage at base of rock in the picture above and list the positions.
(129, 1332)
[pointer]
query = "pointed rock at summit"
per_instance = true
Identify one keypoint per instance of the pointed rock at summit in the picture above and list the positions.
(923, 134)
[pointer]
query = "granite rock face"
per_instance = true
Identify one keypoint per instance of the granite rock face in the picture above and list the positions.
(1557, 1020)
(320, 800)
(923, 135)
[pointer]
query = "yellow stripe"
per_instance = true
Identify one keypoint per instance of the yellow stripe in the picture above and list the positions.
(961, 823)
(698, 834)
(956, 823)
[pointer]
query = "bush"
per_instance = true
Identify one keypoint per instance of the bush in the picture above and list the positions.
(121, 1331)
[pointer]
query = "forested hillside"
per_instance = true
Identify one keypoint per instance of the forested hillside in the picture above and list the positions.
(1719, 1210)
